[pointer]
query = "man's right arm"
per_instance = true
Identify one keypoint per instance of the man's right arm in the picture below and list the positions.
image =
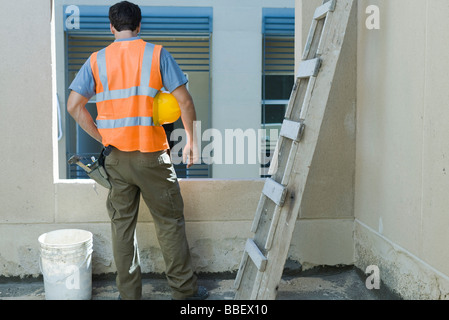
(76, 106)
(83, 88)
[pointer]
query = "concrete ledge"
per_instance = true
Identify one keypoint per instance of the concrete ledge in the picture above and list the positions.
(83, 201)
(219, 214)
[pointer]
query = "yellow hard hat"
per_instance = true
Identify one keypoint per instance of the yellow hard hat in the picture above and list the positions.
(165, 109)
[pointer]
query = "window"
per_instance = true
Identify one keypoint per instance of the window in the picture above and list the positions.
(278, 64)
(185, 32)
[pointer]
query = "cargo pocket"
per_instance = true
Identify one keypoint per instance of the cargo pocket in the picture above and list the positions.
(176, 201)
(110, 207)
(109, 165)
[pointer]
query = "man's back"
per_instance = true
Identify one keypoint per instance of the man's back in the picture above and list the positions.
(127, 58)
(127, 78)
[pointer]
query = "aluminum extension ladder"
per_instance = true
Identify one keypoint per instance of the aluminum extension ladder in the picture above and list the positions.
(264, 256)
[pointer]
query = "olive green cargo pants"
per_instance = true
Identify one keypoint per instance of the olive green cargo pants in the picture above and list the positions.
(152, 175)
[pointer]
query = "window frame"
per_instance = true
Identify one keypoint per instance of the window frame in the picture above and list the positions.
(277, 23)
(157, 21)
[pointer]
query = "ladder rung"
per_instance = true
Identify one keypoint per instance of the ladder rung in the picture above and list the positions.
(322, 10)
(275, 191)
(256, 255)
(309, 68)
(292, 130)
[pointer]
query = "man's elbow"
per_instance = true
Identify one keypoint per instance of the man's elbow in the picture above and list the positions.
(184, 99)
(187, 105)
(74, 103)
(71, 108)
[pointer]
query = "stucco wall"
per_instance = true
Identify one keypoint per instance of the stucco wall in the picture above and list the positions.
(401, 181)
(327, 213)
(218, 215)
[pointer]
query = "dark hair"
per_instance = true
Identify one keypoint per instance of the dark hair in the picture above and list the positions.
(125, 16)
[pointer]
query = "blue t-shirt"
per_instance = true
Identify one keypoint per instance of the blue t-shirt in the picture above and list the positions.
(172, 75)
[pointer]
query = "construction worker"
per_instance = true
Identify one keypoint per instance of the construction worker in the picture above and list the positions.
(125, 77)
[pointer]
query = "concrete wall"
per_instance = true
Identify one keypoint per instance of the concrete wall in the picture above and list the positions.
(218, 223)
(325, 226)
(401, 181)
(400, 185)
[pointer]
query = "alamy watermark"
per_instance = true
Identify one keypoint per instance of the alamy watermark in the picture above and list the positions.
(372, 22)
(228, 146)
(72, 282)
(373, 279)
(73, 17)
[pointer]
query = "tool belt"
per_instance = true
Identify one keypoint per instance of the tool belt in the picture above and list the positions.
(95, 170)
(98, 172)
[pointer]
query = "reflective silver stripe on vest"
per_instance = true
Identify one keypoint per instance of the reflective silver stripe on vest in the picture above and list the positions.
(142, 90)
(101, 61)
(126, 93)
(125, 122)
(145, 72)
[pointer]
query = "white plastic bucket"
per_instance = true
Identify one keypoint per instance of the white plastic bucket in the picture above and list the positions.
(65, 262)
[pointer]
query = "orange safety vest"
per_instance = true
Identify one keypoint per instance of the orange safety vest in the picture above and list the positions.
(127, 78)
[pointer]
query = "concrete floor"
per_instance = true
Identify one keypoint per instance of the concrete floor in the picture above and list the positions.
(326, 283)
